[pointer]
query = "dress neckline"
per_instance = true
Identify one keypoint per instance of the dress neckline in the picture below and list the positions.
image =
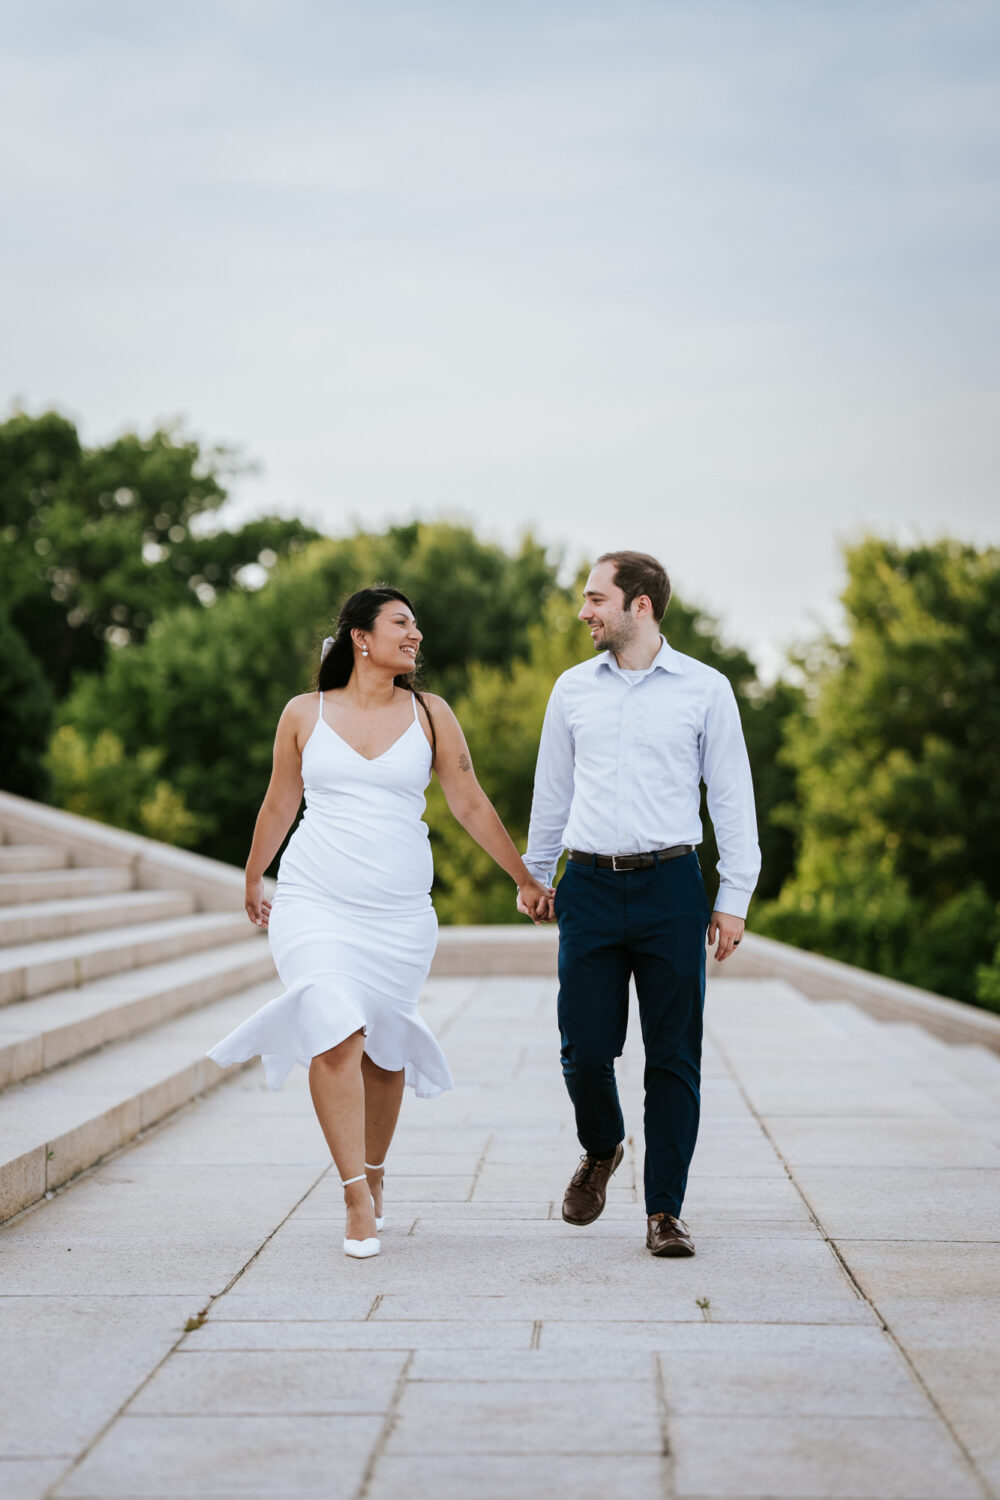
(369, 759)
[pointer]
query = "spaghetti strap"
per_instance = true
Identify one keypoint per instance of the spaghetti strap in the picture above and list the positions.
(320, 714)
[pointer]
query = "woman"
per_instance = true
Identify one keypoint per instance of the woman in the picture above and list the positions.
(351, 928)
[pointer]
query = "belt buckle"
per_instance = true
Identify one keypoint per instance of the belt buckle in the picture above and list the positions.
(623, 869)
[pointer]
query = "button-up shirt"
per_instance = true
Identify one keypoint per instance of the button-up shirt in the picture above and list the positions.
(621, 762)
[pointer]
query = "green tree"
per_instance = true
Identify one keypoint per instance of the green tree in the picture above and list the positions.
(895, 754)
(100, 781)
(27, 705)
(207, 689)
(97, 543)
(766, 712)
(501, 712)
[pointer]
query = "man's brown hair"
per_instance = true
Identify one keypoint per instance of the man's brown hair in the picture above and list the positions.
(636, 573)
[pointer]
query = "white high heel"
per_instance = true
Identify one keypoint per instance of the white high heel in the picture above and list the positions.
(360, 1249)
(379, 1218)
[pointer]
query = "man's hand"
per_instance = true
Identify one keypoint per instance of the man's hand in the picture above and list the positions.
(536, 901)
(728, 930)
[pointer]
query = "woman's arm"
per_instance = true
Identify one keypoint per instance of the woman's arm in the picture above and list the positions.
(277, 811)
(471, 807)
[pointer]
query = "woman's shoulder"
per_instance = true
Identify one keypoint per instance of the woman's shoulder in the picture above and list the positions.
(302, 706)
(435, 702)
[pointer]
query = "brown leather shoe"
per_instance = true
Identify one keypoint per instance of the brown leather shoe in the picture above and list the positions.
(584, 1200)
(666, 1235)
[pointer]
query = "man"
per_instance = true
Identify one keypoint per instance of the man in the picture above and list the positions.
(627, 741)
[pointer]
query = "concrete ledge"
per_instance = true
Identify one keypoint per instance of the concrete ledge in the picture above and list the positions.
(886, 999)
(515, 951)
(525, 951)
(215, 886)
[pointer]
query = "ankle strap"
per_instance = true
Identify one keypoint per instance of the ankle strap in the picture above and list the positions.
(353, 1179)
(373, 1168)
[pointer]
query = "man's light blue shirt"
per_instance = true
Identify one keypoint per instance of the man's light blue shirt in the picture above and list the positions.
(621, 762)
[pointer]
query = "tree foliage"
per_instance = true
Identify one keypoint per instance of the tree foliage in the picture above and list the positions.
(208, 689)
(895, 755)
(99, 543)
(498, 630)
(99, 780)
(27, 705)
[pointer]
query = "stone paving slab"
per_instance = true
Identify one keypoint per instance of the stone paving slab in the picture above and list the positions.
(891, 1458)
(538, 1476)
(491, 1338)
(177, 1457)
(817, 1346)
(847, 1142)
(905, 1203)
(81, 1358)
(27, 1478)
(272, 1382)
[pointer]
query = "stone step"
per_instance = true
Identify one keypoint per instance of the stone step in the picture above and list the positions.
(55, 1126)
(20, 887)
(965, 1080)
(36, 968)
(57, 1028)
(15, 857)
(42, 921)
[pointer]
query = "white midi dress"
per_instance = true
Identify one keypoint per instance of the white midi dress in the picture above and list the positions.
(352, 929)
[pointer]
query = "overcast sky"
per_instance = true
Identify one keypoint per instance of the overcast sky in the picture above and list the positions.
(714, 279)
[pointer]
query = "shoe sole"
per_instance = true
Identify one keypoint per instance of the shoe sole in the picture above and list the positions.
(582, 1223)
(670, 1252)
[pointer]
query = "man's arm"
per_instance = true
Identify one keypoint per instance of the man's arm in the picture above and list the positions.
(553, 792)
(725, 768)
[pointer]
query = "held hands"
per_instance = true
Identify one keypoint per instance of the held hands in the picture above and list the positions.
(535, 900)
(728, 930)
(258, 908)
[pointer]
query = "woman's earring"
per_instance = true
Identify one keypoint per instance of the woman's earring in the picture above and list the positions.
(364, 650)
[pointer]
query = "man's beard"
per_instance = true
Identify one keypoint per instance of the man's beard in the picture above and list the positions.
(617, 635)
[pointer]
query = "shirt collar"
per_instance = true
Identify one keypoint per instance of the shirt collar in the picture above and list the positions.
(666, 659)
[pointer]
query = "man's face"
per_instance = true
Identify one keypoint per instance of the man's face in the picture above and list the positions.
(611, 626)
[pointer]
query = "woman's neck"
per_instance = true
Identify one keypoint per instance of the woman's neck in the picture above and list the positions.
(370, 687)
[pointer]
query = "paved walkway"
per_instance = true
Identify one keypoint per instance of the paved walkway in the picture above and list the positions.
(836, 1335)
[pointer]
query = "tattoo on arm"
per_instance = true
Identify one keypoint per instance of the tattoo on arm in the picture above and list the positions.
(464, 763)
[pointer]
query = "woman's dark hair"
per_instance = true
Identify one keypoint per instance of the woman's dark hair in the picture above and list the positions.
(359, 612)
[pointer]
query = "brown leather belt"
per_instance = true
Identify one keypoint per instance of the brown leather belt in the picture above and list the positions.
(628, 861)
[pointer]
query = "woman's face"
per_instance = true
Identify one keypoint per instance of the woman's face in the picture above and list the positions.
(394, 641)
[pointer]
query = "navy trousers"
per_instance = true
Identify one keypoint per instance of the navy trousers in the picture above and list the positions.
(650, 924)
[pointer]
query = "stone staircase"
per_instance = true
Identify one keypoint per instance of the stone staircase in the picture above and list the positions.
(116, 974)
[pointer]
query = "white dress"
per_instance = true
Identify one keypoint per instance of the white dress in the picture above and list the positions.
(352, 929)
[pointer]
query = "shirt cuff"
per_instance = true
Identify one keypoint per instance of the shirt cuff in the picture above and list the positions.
(544, 874)
(732, 901)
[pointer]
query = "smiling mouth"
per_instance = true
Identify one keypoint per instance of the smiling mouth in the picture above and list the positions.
(410, 651)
